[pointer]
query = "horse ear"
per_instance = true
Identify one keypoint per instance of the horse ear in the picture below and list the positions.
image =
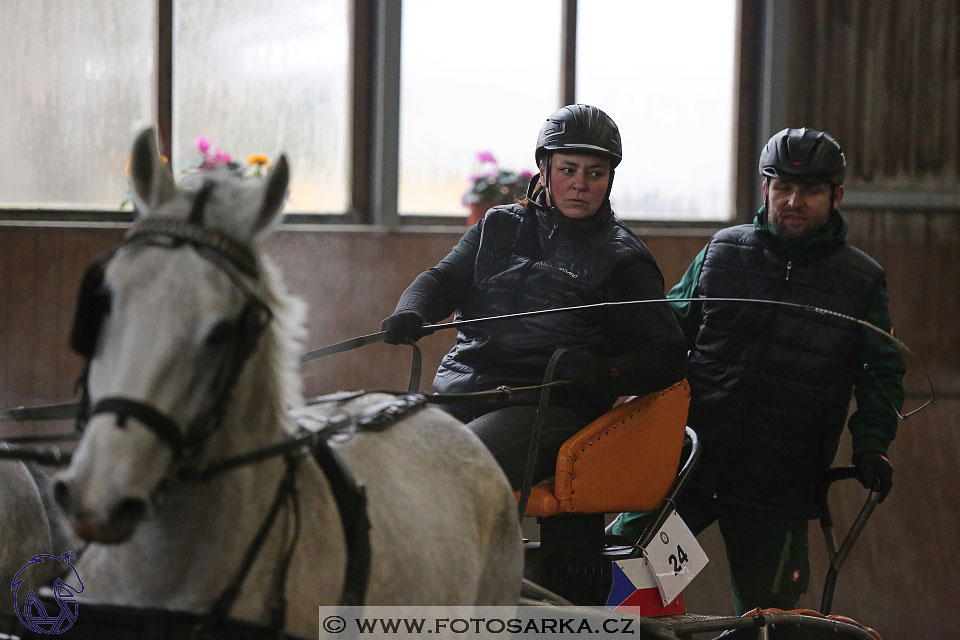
(151, 179)
(274, 193)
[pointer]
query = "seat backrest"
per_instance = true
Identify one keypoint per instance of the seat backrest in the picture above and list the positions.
(625, 460)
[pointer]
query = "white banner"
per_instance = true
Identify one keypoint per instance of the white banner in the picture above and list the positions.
(433, 623)
(675, 557)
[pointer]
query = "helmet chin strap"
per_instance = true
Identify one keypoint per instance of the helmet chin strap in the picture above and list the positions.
(546, 179)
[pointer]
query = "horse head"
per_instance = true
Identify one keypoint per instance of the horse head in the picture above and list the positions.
(169, 322)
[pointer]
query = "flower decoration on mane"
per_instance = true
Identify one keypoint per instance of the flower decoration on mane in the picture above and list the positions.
(210, 159)
(255, 167)
(493, 184)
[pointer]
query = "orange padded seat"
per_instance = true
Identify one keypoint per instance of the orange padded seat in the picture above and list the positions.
(625, 460)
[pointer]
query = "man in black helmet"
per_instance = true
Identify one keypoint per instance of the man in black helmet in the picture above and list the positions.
(562, 246)
(771, 385)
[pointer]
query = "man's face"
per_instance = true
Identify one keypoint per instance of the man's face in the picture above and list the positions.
(578, 183)
(799, 210)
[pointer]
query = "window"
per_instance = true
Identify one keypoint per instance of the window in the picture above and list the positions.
(76, 77)
(264, 76)
(664, 71)
(474, 77)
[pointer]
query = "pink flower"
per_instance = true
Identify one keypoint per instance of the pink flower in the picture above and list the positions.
(222, 156)
(203, 143)
(485, 156)
(526, 173)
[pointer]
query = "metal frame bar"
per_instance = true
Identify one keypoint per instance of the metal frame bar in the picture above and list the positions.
(361, 89)
(384, 168)
(163, 66)
(900, 199)
(775, 25)
(747, 66)
(568, 53)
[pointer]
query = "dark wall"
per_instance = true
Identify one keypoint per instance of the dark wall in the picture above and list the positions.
(884, 77)
(902, 573)
(351, 281)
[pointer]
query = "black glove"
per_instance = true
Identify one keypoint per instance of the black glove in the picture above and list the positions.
(582, 368)
(404, 326)
(874, 472)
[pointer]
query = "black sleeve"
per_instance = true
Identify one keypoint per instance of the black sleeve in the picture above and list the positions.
(653, 351)
(438, 291)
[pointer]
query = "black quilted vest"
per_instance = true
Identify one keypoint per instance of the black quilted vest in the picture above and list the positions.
(772, 385)
(529, 260)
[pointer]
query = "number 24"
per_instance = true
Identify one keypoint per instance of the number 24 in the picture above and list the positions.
(678, 560)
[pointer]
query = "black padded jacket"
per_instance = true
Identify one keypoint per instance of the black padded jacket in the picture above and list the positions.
(772, 385)
(522, 258)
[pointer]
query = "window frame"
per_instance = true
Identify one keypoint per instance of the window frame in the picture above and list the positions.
(373, 160)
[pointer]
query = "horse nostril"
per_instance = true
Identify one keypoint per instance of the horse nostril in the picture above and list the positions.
(130, 511)
(61, 493)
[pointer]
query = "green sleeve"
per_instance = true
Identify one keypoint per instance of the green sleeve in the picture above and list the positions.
(688, 313)
(878, 382)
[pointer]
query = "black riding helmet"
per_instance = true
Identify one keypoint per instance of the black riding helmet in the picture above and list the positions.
(580, 128)
(803, 154)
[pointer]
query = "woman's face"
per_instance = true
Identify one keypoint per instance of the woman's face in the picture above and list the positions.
(578, 183)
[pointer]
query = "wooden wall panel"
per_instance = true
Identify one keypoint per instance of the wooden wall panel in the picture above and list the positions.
(351, 280)
(884, 77)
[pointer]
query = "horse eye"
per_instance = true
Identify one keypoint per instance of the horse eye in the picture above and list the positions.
(219, 333)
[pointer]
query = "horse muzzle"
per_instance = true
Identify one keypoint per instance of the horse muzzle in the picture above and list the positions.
(118, 525)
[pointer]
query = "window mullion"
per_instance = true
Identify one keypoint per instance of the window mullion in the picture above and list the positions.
(163, 87)
(568, 53)
(778, 27)
(385, 142)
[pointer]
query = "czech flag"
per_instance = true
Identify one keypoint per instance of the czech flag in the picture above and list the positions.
(635, 591)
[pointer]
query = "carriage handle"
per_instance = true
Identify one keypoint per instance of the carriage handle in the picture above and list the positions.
(837, 556)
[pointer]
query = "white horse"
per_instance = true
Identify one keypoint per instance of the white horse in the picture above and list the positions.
(34, 538)
(26, 531)
(444, 529)
(31, 523)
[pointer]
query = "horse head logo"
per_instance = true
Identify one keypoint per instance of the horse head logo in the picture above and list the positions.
(31, 611)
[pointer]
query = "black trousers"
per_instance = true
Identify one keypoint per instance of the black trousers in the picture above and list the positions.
(507, 431)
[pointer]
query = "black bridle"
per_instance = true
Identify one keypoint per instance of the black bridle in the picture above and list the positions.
(187, 442)
(233, 259)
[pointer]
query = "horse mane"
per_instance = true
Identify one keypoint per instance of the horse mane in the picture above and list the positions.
(282, 343)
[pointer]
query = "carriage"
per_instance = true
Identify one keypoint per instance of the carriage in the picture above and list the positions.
(290, 504)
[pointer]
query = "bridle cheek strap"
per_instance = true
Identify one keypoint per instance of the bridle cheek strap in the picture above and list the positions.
(162, 425)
